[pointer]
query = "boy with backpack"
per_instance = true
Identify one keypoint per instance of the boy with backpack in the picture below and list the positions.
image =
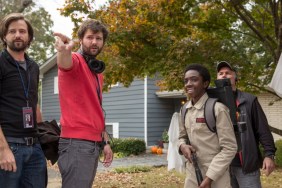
(214, 150)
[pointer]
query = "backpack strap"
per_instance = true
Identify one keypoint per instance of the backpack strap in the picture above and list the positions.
(209, 114)
(183, 113)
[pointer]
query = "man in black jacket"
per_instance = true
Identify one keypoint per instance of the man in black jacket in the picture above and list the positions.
(245, 167)
(22, 161)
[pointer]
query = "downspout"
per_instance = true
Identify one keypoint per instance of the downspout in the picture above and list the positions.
(145, 110)
(40, 91)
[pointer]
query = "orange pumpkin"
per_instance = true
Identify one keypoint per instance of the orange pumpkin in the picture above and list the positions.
(154, 149)
(159, 151)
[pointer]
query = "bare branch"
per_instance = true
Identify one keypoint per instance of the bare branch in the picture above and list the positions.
(263, 89)
(251, 22)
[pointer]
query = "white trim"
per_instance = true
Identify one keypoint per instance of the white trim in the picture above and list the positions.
(115, 129)
(40, 94)
(50, 63)
(171, 94)
(114, 85)
(145, 110)
(56, 88)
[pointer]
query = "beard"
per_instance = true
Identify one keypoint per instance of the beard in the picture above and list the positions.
(89, 51)
(17, 46)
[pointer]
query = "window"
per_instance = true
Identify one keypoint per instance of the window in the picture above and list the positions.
(113, 129)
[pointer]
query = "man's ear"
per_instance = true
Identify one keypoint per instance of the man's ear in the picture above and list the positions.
(206, 84)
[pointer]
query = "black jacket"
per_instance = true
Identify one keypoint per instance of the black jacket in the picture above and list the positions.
(257, 132)
(12, 97)
(49, 135)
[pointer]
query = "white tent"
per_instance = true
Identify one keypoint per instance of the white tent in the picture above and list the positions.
(276, 82)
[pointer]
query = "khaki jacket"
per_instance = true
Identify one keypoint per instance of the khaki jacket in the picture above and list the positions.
(215, 151)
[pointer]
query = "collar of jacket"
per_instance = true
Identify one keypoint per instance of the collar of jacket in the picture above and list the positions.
(240, 97)
(9, 58)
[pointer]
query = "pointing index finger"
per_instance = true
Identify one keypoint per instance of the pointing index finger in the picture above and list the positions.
(64, 38)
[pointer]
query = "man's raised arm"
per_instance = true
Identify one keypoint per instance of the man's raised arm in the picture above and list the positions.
(64, 46)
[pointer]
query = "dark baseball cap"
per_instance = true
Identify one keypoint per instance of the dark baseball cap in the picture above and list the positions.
(224, 64)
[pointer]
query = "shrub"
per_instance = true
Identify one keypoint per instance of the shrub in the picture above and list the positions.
(128, 146)
(278, 153)
(165, 136)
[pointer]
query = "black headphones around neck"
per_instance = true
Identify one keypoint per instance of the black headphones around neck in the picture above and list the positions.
(94, 64)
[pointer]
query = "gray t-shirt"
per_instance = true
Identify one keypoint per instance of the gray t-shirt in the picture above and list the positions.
(22, 64)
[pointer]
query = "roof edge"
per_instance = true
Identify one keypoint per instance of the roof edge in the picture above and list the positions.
(50, 63)
(171, 94)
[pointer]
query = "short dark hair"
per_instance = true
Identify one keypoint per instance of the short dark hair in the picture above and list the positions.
(93, 25)
(7, 20)
(203, 71)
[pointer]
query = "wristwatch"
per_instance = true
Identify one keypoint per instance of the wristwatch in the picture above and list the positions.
(271, 157)
(103, 144)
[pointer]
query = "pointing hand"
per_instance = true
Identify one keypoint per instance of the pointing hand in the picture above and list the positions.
(63, 43)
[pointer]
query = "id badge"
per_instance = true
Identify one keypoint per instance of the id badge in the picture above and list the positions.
(27, 117)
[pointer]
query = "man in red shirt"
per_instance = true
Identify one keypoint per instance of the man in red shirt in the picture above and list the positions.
(80, 93)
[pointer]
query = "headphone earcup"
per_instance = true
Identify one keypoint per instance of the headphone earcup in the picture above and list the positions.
(96, 65)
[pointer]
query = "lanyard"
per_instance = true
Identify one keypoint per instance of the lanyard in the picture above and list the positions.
(26, 89)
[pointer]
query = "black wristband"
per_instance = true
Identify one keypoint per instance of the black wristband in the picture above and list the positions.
(271, 157)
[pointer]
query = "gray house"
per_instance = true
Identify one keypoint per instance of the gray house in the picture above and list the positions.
(138, 111)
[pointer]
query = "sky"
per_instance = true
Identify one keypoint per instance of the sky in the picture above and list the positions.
(61, 24)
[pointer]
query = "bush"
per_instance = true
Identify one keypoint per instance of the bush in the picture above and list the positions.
(165, 136)
(278, 153)
(128, 146)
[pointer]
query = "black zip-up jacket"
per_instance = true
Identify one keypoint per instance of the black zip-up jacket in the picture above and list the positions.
(257, 132)
(12, 97)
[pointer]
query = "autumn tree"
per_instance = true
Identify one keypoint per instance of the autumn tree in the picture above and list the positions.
(255, 28)
(42, 45)
(163, 36)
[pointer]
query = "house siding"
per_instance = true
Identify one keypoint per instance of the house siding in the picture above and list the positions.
(160, 111)
(126, 107)
(273, 112)
(50, 103)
